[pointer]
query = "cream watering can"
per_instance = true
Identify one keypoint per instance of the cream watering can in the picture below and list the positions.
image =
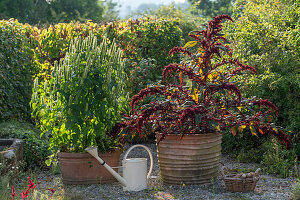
(134, 169)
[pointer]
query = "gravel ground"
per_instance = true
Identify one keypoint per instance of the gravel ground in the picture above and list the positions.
(268, 187)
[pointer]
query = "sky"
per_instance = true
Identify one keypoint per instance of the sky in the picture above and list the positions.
(135, 3)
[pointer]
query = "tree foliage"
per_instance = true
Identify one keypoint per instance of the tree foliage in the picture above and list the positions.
(210, 8)
(186, 20)
(55, 11)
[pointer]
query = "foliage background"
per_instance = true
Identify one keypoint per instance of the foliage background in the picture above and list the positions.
(266, 34)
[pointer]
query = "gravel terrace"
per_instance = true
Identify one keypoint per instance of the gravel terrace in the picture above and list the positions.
(268, 187)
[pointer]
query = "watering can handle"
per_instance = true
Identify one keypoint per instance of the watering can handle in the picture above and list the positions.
(150, 155)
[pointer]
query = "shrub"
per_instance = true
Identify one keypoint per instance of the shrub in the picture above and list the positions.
(141, 38)
(264, 150)
(16, 69)
(27, 51)
(266, 33)
(187, 21)
(35, 148)
(140, 74)
(279, 161)
(55, 40)
(79, 104)
(244, 147)
(146, 38)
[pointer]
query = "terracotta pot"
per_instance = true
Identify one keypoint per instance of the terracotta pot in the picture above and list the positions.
(82, 168)
(194, 159)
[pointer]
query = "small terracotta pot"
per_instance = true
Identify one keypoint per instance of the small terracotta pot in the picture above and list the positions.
(82, 168)
(193, 159)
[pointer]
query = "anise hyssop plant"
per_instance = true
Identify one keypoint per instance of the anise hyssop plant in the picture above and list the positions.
(203, 96)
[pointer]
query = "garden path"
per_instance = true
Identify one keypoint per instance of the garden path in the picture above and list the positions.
(268, 187)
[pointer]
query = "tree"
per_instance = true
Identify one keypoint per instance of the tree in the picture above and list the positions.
(110, 12)
(55, 11)
(76, 10)
(187, 21)
(210, 8)
(18, 9)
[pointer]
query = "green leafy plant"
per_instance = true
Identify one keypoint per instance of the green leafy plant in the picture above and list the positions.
(208, 8)
(186, 20)
(10, 170)
(79, 104)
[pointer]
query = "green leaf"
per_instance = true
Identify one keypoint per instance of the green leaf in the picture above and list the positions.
(253, 131)
(48, 162)
(198, 118)
(190, 44)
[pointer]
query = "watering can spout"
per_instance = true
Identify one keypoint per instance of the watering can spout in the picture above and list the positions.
(94, 152)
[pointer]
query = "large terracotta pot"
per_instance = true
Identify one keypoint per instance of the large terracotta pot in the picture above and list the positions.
(193, 159)
(82, 168)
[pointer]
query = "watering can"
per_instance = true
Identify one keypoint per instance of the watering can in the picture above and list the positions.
(134, 169)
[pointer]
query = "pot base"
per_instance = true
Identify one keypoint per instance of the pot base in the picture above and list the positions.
(193, 159)
(82, 168)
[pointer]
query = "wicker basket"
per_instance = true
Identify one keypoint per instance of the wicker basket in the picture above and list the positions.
(239, 182)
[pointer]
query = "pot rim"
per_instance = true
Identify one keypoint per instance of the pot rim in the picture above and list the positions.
(79, 154)
(197, 134)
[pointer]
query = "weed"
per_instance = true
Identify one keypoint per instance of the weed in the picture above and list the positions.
(277, 160)
(296, 191)
(4, 188)
(213, 189)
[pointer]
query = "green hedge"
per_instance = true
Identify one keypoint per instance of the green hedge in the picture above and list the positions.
(16, 69)
(141, 38)
(146, 38)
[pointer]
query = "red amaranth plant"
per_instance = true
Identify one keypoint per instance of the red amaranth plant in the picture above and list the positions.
(24, 195)
(207, 98)
(31, 186)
